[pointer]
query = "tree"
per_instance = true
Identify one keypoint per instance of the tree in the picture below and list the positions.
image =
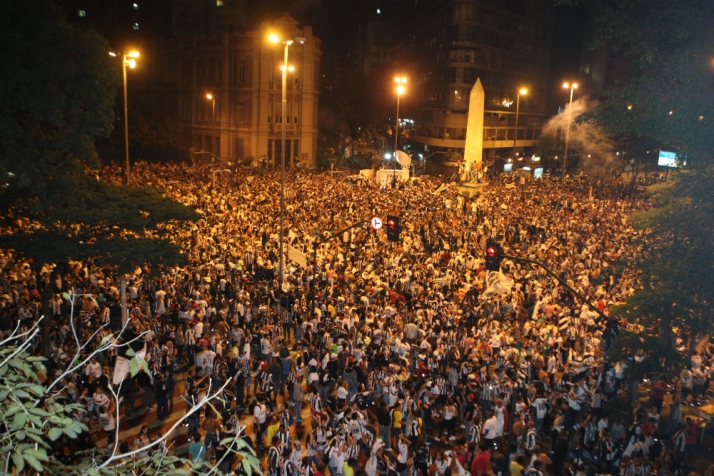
(56, 99)
(671, 102)
(36, 411)
(52, 198)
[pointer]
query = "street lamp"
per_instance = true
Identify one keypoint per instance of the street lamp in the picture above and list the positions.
(572, 86)
(128, 59)
(401, 81)
(523, 91)
(212, 98)
(276, 39)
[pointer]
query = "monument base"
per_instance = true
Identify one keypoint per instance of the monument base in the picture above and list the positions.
(471, 189)
(386, 176)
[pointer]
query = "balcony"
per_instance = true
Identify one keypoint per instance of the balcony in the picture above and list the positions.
(460, 144)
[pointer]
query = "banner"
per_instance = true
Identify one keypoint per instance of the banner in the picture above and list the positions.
(297, 256)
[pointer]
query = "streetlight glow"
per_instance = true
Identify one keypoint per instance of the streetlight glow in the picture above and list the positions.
(401, 81)
(128, 59)
(212, 98)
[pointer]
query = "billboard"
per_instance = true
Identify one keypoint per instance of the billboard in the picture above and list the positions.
(670, 159)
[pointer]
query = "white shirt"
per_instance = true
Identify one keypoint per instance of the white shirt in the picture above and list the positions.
(93, 370)
(403, 452)
(489, 428)
(541, 406)
(260, 413)
(205, 361)
(500, 420)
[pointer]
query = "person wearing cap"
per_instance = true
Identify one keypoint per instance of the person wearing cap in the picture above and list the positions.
(296, 456)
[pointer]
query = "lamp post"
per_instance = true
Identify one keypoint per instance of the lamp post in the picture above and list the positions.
(128, 59)
(401, 81)
(572, 86)
(523, 91)
(212, 98)
(276, 39)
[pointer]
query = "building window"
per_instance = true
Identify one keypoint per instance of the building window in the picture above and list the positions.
(218, 70)
(240, 112)
(82, 13)
(239, 151)
(186, 110)
(241, 71)
(451, 75)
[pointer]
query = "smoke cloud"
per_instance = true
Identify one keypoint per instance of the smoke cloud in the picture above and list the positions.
(587, 140)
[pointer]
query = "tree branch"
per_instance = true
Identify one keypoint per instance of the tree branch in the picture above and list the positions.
(165, 436)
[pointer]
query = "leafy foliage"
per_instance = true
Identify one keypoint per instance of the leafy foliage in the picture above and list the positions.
(113, 225)
(52, 200)
(30, 420)
(670, 102)
(56, 98)
(35, 414)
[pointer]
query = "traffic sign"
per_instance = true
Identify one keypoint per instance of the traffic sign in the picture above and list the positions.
(376, 223)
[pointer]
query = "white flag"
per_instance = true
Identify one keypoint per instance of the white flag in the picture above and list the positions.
(297, 256)
(497, 283)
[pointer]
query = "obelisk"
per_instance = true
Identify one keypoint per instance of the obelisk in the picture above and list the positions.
(473, 151)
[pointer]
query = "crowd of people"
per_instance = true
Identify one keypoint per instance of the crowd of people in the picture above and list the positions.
(411, 357)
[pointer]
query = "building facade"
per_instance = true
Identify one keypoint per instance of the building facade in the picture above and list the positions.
(225, 91)
(505, 44)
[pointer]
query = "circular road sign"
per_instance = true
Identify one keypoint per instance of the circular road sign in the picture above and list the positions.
(376, 223)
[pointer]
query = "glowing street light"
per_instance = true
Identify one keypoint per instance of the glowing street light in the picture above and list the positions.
(128, 59)
(572, 86)
(401, 81)
(523, 91)
(274, 38)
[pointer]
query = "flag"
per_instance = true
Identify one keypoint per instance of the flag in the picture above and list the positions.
(497, 283)
(297, 256)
